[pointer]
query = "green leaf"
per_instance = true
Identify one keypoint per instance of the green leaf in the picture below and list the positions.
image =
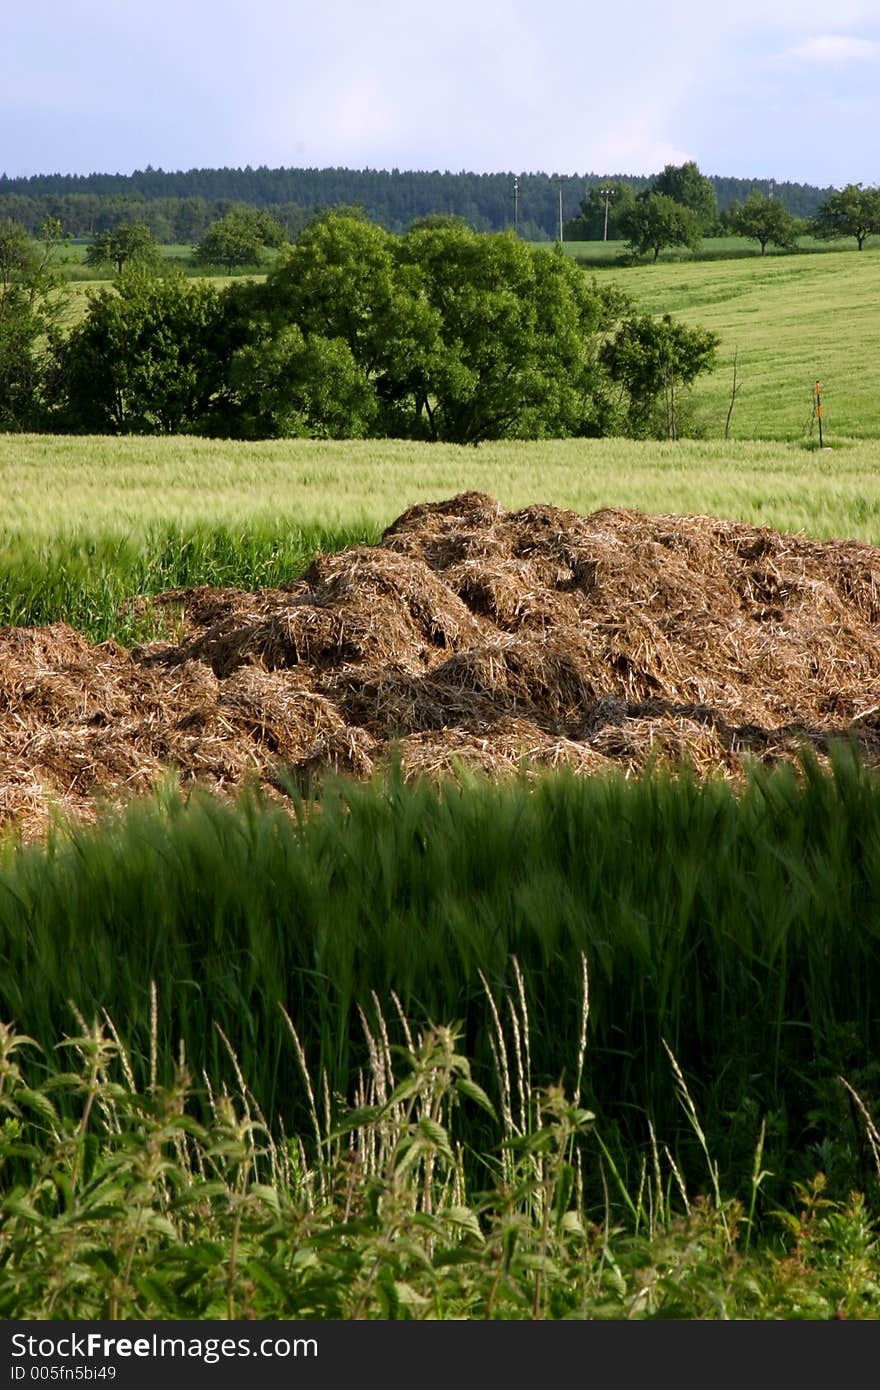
(469, 1088)
(268, 1195)
(408, 1296)
(437, 1135)
(465, 1218)
(37, 1101)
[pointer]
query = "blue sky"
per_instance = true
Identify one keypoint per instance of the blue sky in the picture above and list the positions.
(784, 89)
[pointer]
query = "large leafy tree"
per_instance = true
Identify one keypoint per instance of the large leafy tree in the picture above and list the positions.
(238, 239)
(442, 334)
(342, 283)
(518, 338)
(684, 184)
(764, 220)
(31, 303)
(128, 244)
(654, 221)
(852, 211)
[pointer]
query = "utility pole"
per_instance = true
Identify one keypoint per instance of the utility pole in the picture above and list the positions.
(515, 205)
(560, 212)
(606, 194)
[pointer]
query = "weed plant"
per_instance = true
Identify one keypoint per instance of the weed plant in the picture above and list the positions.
(123, 1203)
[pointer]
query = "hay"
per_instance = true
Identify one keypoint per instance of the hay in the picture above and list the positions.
(468, 637)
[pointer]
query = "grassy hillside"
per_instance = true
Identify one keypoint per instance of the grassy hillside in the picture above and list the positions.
(790, 320)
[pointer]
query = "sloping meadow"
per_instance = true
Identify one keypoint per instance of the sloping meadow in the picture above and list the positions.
(469, 637)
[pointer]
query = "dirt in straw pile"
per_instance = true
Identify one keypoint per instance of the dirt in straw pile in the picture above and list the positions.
(468, 636)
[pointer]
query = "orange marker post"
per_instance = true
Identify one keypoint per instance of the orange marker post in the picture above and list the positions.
(819, 412)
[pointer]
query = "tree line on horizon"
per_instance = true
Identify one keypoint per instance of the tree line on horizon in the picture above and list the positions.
(680, 207)
(178, 207)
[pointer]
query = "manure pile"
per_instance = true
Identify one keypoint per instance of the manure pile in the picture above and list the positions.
(468, 635)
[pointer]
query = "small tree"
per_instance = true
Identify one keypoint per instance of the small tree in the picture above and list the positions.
(684, 184)
(30, 309)
(149, 357)
(654, 221)
(239, 239)
(131, 243)
(590, 225)
(653, 361)
(853, 211)
(764, 220)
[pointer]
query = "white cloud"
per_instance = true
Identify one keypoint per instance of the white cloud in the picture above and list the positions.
(836, 48)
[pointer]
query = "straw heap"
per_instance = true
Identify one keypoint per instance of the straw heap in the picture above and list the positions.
(468, 635)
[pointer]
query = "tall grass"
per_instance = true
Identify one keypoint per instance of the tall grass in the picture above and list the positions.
(55, 484)
(739, 930)
(87, 581)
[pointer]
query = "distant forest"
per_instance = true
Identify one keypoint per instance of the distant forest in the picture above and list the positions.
(178, 207)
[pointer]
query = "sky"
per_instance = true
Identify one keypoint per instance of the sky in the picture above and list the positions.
(782, 89)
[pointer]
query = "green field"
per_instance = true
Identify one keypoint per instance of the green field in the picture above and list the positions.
(139, 515)
(790, 320)
(719, 248)
(101, 485)
(71, 255)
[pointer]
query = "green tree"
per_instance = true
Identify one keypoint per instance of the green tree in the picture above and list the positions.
(852, 211)
(148, 358)
(441, 334)
(31, 304)
(239, 239)
(684, 184)
(654, 221)
(130, 243)
(764, 220)
(519, 329)
(342, 281)
(653, 361)
(290, 385)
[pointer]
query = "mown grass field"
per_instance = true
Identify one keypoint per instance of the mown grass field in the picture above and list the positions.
(711, 249)
(81, 276)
